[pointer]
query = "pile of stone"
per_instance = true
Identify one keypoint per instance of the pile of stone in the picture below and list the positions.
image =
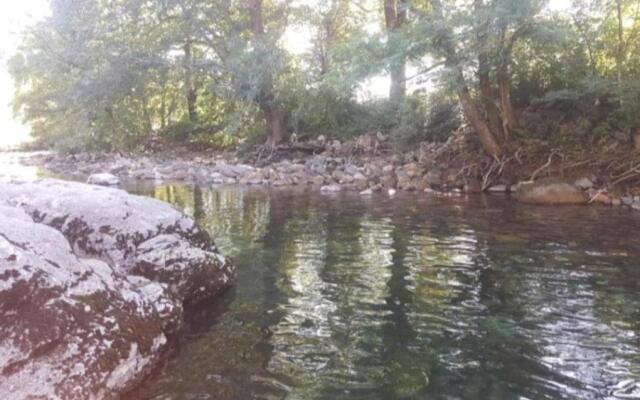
(365, 164)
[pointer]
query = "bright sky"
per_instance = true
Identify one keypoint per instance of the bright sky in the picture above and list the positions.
(559, 5)
(16, 15)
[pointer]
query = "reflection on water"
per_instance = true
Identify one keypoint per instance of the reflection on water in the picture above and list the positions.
(341, 297)
(13, 167)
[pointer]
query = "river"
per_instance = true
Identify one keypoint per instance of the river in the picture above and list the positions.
(408, 297)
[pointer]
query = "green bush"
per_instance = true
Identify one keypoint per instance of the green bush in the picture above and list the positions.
(426, 118)
(603, 109)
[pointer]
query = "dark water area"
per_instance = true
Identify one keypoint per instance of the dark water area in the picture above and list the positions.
(411, 297)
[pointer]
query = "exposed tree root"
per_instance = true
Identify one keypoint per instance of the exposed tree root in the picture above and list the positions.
(614, 166)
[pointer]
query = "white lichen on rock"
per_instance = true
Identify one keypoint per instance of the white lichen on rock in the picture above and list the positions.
(86, 305)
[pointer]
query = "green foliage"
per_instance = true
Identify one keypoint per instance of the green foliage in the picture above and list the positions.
(426, 118)
(594, 110)
(104, 75)
(548, 61)
(629, 111)
(107, 74)
(320, 111)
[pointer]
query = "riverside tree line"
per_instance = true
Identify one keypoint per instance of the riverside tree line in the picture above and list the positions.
(111, 74)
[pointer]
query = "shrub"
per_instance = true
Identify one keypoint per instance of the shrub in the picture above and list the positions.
(426, 118)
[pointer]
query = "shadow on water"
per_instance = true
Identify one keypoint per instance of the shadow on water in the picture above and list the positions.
(343, 297)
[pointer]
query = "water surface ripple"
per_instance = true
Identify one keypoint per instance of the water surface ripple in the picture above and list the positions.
(415, 297)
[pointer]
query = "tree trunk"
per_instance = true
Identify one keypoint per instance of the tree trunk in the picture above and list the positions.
(190, 90)
(620, 51)
(323, 46)
(395, 15)
(474, 118)
(148, 121)
(163, 110)
(589, 44)
(488, 98)
(274, 118)
(509, 117)
(470, 109)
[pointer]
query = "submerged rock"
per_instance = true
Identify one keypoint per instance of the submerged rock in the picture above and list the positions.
(550, 191)
(501, 188)
(103, 180)
(92, 280)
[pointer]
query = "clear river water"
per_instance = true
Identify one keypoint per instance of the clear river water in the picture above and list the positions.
(411, 297)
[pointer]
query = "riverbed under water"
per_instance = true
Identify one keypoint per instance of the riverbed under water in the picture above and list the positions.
(411, 297)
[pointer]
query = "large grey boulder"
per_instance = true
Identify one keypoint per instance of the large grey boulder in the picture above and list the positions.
(92, 281)
(116, 227)
(550, 191)
(71, 328)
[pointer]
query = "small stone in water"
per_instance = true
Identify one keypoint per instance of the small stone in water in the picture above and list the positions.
(498, 189)
(104, 179)
(331, 188)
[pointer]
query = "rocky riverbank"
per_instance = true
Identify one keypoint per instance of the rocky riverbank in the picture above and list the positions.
(93, 282)
(367, 164)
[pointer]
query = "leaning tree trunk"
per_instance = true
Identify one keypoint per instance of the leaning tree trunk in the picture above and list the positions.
(469, 107)
(395, 15)
(274, 118)
(473, 116)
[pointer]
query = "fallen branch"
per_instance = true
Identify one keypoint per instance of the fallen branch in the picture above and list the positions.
(545, 166)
